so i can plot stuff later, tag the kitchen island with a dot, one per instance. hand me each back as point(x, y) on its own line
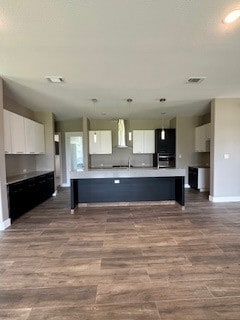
point(127, 185)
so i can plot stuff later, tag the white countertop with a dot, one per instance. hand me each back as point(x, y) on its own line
point(25, 176)
point(127, 173)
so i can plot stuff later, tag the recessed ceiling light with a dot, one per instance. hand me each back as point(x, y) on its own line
point(195, 80)
point(232, 16)
point(54, 79)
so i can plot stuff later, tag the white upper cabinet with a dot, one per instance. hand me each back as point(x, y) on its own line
point(34, 137)
point(7, 131)
point(39, 138)
point(208, 131)
point(143, 141)
point(30, 136)
point(202, 138)
point(22, 135)
point(17, 134)
point(100, 142)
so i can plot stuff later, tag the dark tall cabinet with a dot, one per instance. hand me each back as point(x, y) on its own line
point(167, 146)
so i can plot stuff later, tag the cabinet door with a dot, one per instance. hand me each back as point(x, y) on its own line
point(208, 131)
point(17, 134)
point(193, 177)
point(200, 141)
point(203, 179)
point(39, 138)
point(30, 136)
point(34, 137)
point(100, 142)
point(7, 131)
point(105, 142)
point(137, 141)
point(94, 142)
point(168, 145)
point(148, 141)
point(17, 199)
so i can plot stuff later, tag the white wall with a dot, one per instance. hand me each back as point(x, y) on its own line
point(225, 139)
point(4, 215)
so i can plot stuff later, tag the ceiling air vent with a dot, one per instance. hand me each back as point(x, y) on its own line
point(54, 79)
point(195, 80)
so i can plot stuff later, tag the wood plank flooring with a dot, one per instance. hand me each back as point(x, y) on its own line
point(127, 263)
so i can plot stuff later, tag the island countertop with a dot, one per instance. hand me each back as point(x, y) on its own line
point(127, 173)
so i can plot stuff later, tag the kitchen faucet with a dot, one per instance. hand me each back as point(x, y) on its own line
point(129, 162)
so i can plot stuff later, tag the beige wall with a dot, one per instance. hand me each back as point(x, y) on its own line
point(11, 105)
point(225, 138)
point(4, 215)
point(185, 142)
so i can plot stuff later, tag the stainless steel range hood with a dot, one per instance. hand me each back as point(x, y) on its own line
point(121, 134)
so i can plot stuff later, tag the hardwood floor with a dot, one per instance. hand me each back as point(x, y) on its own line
point(108, 263)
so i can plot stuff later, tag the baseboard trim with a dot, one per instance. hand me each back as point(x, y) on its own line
point(65, 185)
point(224, 199)
point(187, 186)
point(5, 224)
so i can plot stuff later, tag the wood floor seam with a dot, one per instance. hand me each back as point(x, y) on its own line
point(131, 263)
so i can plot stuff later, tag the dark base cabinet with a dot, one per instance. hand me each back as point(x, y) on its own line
point(127, 190)
point(25, 195)
point(193, 177)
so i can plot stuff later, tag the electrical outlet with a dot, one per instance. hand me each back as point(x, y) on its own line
point(226, 155)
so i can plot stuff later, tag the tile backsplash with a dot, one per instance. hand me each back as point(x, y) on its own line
point(121, 156)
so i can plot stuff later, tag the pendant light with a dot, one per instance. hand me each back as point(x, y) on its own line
point(95, 137)
point(129, 136)
point(129, 101)
point(94, 101)
point(162, 131)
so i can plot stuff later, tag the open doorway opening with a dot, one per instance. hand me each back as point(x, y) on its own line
point(74, 152)
point(58, 166)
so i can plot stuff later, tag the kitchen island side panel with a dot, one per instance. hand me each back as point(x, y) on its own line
point(127, 190)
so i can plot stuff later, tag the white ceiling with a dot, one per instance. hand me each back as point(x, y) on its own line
point(117, 49)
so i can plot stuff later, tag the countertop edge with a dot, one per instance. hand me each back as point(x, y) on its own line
point(26, 176)
point(127, 173)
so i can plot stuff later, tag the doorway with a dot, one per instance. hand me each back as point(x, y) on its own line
point(58, 166)
point(74, 153)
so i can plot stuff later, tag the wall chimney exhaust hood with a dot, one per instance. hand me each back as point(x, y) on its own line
point(121, 134)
